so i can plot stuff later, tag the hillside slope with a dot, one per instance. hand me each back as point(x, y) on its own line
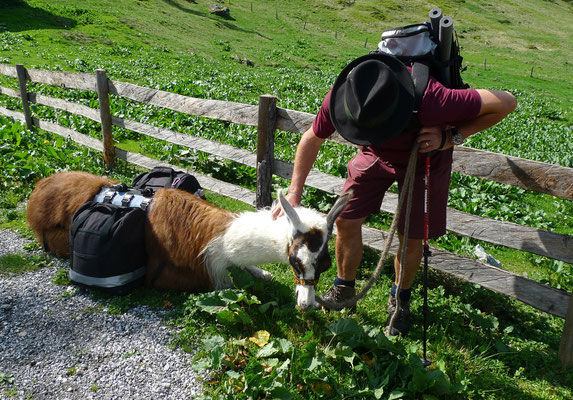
point(519, 42)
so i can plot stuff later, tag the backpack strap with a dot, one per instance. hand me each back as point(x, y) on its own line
point(421, 77)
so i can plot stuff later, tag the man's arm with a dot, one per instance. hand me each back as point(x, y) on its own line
point(495, 106)
point(306, 153)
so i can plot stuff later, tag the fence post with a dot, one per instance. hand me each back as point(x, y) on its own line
point(265, 149)
point(105, 114)
point(566, 348)
point(22, 78)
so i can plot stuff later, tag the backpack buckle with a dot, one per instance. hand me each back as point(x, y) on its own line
point(127, 199)
point(145, 203)
point(109, 195)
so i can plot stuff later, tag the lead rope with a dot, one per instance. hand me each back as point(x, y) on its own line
point(408, 187)
point(406, 193)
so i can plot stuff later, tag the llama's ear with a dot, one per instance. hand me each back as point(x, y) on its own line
point(289, 211)
point(336, 209)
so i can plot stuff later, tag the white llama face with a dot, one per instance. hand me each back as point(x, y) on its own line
point(308, 250)
point(308, 257)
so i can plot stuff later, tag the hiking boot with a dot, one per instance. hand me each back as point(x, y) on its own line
point(402, 320)
point(339, 294)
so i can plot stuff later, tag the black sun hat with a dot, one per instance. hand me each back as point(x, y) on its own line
point(372, 99)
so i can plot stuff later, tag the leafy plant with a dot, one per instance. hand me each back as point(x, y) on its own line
point(6, 378)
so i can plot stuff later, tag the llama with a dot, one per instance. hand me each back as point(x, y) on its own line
point(191, 243)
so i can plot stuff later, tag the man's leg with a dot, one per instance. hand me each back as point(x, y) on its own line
point(412, 262)
point(348, 257)
point(348, 247)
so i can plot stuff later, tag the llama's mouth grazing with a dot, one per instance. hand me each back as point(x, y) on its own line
point(305, 297)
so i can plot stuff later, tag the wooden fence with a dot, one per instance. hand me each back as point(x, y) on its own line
point(267, 117)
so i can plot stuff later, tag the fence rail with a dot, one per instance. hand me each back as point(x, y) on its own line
point(531, 175)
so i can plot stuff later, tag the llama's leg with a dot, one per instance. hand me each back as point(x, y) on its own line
point(258, 273)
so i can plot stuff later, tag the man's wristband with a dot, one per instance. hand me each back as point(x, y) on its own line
point(298, 194)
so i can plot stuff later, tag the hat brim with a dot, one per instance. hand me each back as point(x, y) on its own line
point(389, 128)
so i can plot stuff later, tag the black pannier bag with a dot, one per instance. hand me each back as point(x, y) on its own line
point(107, 247)
point(164, 177)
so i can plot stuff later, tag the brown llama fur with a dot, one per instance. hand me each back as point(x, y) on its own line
point(173, 243)
point(179, 227)
point(53, 203)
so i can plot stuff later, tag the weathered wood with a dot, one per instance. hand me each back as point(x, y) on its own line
point(566, 347)
point(12, 114)
point(8, 70)
point(77, 137)
point(22, 79)
point(60, 104)
point(540, 177)
point(11, 92)
point(293, 121)
point(524, 238)
point(537, 295)
point(218, 149)
point(237, 113)
point(532, 175)
point(532, 240)
point(105, 115)
point(508, 234)
point(265, 149)
point(556, 246)
point(207, 182)
point(299, 122)
point(70, 80)
point(542, 297)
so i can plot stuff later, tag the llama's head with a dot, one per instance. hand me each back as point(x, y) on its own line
point(308, 245)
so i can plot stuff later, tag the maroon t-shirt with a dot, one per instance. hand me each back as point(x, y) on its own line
point(439, 106)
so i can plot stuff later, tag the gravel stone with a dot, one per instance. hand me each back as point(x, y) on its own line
point(58, 342)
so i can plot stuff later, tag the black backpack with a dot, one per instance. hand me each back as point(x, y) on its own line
point(107, 247)
point(164, 177)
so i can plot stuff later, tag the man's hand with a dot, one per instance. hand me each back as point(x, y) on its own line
point(430, 139)
point(293, 198)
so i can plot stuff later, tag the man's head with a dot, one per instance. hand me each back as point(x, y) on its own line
point(372, 99)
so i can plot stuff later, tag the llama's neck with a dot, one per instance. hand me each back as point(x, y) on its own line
point(254, 239)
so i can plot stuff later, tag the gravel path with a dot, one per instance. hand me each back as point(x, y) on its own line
point(57, 342)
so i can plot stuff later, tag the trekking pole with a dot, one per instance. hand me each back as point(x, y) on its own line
point(427, 253)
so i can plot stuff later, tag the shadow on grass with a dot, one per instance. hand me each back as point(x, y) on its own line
point(16, 16)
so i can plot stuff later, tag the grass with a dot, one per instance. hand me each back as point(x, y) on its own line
point(14, 264)
point(512, 38)
point(483, 345)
